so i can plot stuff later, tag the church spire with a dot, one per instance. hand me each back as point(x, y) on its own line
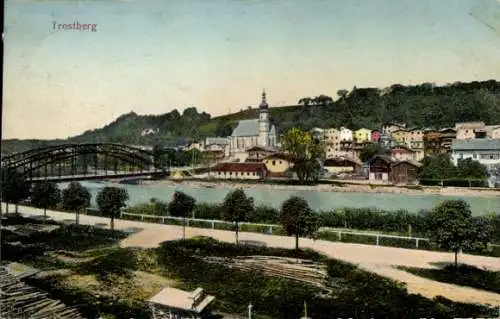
point(263, 104)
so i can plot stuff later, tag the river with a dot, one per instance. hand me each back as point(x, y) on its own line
point(317, 200)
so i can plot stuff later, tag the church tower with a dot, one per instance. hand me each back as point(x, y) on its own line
point(263, 139)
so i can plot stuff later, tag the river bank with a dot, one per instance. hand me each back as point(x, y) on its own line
point(343, 187)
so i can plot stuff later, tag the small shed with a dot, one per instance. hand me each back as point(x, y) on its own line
point(380, 168)
point(173, 303)
point(405, 172)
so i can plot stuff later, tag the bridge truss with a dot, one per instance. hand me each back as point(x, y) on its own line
point(75, 159)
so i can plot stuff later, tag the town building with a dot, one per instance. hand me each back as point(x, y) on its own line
point(485, 151)
point(172, 303)
point(279, 165)
point(352, 148)
point(446, 139)
point(375, 136)
point(254, 132)
point(216, 144)
point(318, 133)
point(257, 153)
point(403, 153)
point(253, 171)
point(493, 131)
point(400, 136)
point(332, 142)
point(363, 135)
point(387, 141)
point(346, 134)
point(389, 127)
point(467, 130)
point(342, 164)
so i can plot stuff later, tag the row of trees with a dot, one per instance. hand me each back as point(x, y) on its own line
point(47, 195)
point(450, 224)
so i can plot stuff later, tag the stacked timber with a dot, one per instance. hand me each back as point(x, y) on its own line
point(20, 300)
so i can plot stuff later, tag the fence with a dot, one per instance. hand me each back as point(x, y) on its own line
point(324, 232)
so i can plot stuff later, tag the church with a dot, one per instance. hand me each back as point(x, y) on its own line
point(253, 133)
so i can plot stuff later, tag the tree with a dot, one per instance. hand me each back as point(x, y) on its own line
point(181, 205)
point(236, 207)
point(46, 195)
point(471, 169)
point(15, 188)
point(76, 198)
point(307, 153)
point(110, 201)
point(298, 219)
point(371, 150)
point(439, 167)
point(159, 157)
point(452, 227)
point(305, 101)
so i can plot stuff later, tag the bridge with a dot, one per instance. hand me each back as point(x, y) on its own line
point(87, 161)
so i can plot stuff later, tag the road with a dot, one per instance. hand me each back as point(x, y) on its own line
point(378, 259)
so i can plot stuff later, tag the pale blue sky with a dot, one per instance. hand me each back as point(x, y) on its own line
point(152, 56)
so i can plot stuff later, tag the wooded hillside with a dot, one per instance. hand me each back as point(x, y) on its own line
point(424, 105)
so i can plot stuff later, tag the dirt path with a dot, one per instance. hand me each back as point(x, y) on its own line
point(380, 260)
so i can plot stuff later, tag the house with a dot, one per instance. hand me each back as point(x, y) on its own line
point(387, 141)
point(467, 130)
point(216, 144)
point(485, 151)
point(279, 165)
point(446, 138)
point(493, 131)
point(405, 172)
point(175, 303)
point(254, 132)
point(342, 164)
point(389, 127)
point(332, 142)
point(363, 135)
point(380, 168)
point(346, 134)
point(149, 131)
point(432, 142)
point(415, 139)
point(402, 153)
point(400, 136)
point(240, 171)
point(375, 136)
point(352, 148)
point(256, 154)
point(318, 133)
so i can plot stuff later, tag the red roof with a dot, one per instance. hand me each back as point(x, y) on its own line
point(240, 167)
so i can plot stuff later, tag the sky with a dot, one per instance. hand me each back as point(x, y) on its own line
point(153, 56)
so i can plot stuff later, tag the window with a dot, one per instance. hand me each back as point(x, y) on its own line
point(474, 156)
point(253, 173)
point(280, 162)
point(230, 173)
point(274, 163)
point(219, 173)
point(248, 173)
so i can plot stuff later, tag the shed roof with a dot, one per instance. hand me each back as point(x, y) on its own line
point(180, 299)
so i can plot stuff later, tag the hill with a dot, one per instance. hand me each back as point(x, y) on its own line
point(424, 105)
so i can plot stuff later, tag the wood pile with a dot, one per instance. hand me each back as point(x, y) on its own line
point(291, 268)
point(19, 300)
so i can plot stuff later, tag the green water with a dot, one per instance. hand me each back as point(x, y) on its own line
point(317, 200)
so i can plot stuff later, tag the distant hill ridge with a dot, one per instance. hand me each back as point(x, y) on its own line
point(424, 105)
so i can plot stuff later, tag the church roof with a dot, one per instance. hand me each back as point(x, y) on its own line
point(247, 128)
point(263, 104)
point(250, 128)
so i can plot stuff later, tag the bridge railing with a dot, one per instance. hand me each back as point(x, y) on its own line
point(341, 235)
